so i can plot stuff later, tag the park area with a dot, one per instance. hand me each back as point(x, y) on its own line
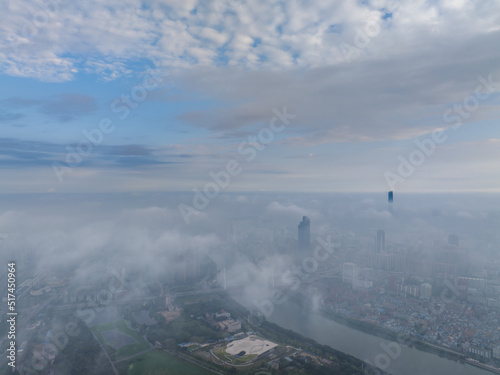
point(124, 341)
point(159, 362)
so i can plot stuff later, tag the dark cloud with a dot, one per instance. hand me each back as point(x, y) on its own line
point(21, 153)
point(8, 117)
point(399, 96)
point(64, 107)
point(131, 150)
point(67, 107)
point(25, 153)
point(135, 162)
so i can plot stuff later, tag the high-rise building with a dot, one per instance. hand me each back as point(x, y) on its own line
point(390, 197)
point(382, 261)
point(304, 233)
point(390, 200)
point(425, 291)
point(349, 271)
point(380, 240)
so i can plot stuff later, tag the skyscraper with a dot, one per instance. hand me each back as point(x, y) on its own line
point(390, 197)
point(304, 233)
point(380, 240)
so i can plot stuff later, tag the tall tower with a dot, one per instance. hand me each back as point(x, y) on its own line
point(390, 200)
point(380, 240)
point(304, 234)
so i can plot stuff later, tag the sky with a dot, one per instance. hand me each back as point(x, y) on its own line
point(293, 96)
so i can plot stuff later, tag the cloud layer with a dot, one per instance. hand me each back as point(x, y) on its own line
point(57, 40)
point(364, 80)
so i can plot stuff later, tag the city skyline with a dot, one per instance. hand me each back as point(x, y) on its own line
point(250, 186)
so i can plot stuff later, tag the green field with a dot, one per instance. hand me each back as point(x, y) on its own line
point(161, 363)
point(194, 299)
point(126, 350)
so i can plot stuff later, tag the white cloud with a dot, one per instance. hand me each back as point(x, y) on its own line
point(145, 237)
point(426, 57)
point(186, 33)
point(291, 210)
point(107, 71)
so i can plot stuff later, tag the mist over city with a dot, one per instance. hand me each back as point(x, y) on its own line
point(249, 187)
point(394, 264)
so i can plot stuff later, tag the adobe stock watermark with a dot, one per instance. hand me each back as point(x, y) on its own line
point(293, 278)
point(41, 13)
point(392, 351)
point(60, 337)
point(364, 36)
point(426, 147)
point(222, 178)
point(92, 138)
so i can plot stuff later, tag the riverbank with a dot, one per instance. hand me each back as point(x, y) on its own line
point(404, 339)
point(369, 348)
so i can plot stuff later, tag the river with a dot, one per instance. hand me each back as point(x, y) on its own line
point(369, 348)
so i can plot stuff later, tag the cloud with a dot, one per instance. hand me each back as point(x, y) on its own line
point(148, 237)
point(17, 153)
point(373, 214)
point(233, 62)
point(107, 71)
point(9, 117)
point(291, 210)
point(392, 98)
point(55, 44)
point(464, 215)
point(66, 107)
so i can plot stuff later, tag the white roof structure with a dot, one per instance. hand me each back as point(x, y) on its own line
point(250, 345)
